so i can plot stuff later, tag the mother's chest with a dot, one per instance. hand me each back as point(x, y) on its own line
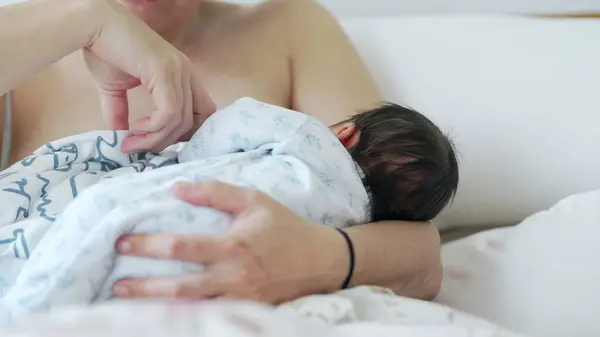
point(264, 78)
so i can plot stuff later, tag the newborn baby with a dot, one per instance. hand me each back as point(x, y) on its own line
point(390, 163)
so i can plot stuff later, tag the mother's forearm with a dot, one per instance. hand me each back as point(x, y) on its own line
point(402, 256)
point(37, 33)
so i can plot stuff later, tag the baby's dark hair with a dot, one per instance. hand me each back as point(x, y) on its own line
point(410, 166)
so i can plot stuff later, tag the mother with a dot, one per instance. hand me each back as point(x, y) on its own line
point(289, 53)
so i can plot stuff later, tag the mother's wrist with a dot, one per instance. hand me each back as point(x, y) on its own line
point(96, 13)
point(351, 258)
point(331, 258)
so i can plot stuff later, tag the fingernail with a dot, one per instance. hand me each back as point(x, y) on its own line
point(123, 246)
point(120, 291)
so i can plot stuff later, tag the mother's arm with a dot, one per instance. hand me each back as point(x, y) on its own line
point(331, 82)
point(121, 52)
point(37, 33)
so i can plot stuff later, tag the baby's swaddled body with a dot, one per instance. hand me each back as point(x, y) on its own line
point(288, 155)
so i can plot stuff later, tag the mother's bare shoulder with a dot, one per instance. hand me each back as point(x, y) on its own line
point(330, 79)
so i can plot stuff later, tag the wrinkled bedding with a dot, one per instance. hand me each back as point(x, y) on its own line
point(362, 311)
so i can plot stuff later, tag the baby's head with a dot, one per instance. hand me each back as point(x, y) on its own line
point(410, 166)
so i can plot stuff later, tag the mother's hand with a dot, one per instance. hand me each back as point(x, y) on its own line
point(125, 53)
point(269, 254)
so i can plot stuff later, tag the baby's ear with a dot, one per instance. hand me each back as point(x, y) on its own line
point(348, 134)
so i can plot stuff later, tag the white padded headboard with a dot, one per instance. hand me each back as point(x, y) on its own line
point(519, 95)
point(381, 8)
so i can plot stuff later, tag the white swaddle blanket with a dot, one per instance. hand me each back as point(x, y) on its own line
point(57, 250)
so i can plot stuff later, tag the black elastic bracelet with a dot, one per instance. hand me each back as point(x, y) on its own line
point(351, 250)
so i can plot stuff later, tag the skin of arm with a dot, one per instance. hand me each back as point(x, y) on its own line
point(331, 83)
point(41, 33)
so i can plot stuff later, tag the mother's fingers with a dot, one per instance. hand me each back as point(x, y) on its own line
point(115, 107)
point(224, 197)
point(189, 248)
point(143, 142)
point(156, 132)
point(187, 119)
point(167, 93)
point(222, 280)
point(178, 105)
point(187, 287)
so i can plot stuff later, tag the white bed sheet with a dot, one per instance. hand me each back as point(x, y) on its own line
point(363, 311)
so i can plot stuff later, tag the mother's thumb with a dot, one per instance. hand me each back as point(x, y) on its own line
point(203, 104)
point(115, 108)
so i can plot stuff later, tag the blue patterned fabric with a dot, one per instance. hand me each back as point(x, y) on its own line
point(64, 207)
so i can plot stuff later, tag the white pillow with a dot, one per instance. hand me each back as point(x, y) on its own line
point(540, 277)
point(519, 96)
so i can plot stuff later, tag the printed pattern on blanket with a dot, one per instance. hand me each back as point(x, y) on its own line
point(35, 190)
point(288, 155)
